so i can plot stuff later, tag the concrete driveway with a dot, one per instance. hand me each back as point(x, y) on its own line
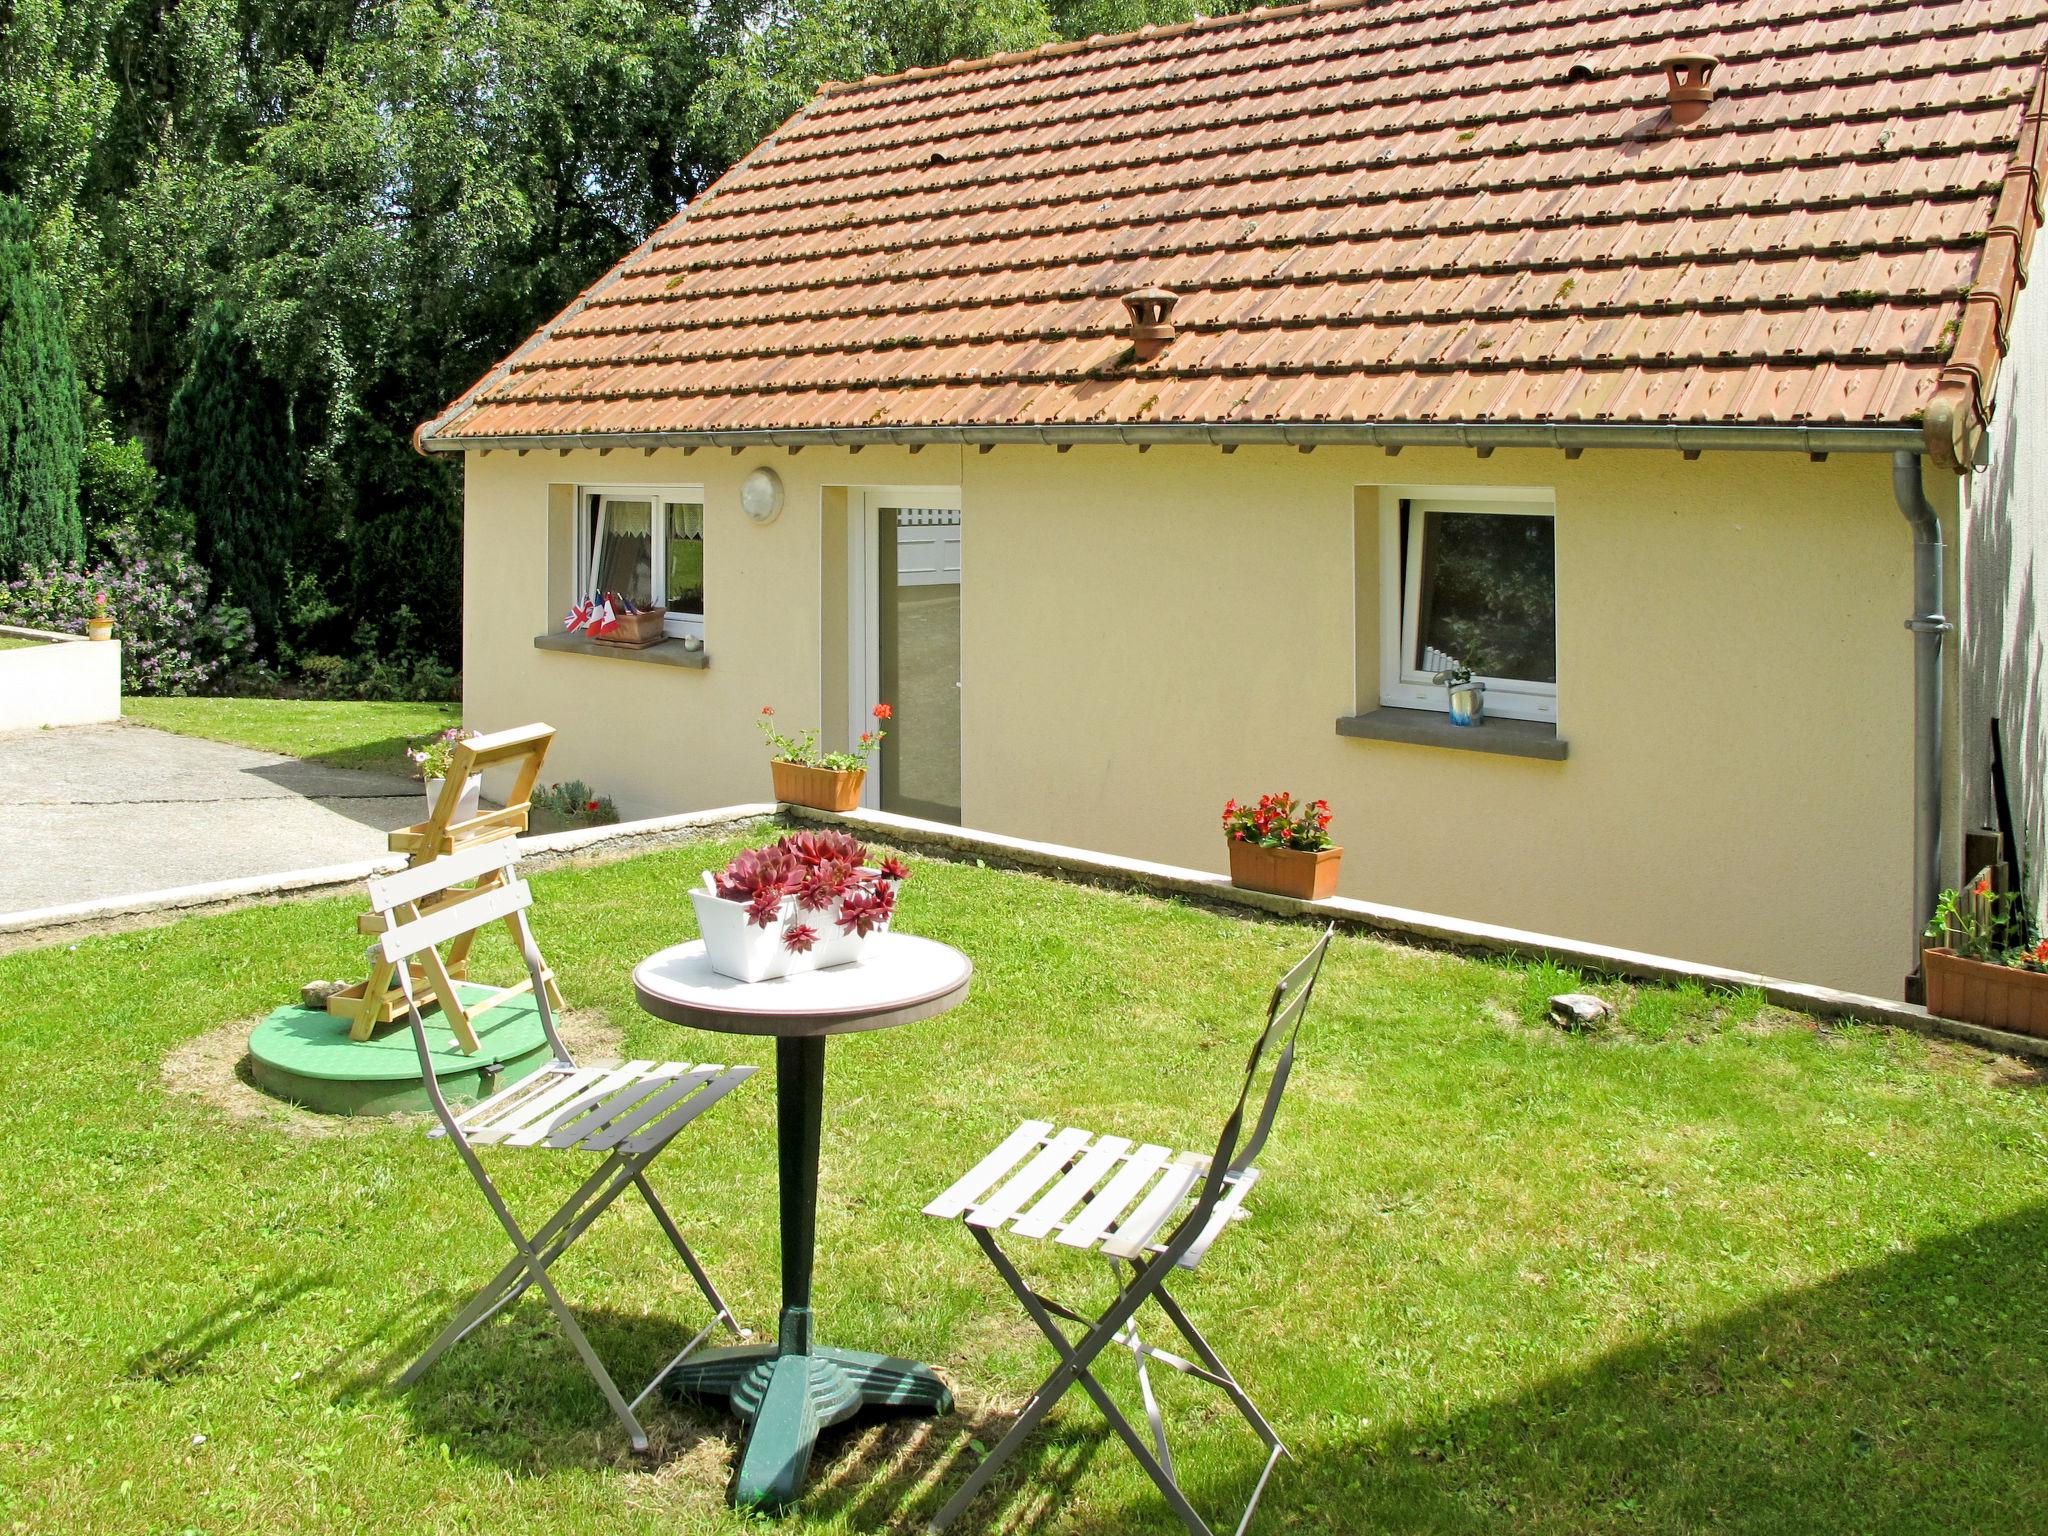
point(100, 811)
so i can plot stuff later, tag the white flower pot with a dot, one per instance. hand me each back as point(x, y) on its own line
point(466, 806)
point(745, 952)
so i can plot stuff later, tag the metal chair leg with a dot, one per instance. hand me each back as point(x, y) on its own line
point(591, 1363)
point(1214, 1362)
point(533, 1258)
point(689, 1258)
point(1075, 1358)
point(551, 1239)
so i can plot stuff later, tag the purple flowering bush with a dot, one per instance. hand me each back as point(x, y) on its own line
point(174, 641)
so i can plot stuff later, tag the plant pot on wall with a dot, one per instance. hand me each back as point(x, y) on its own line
point(466, 806)
point(823, 788)
point(1978, 992)
point(1296, 872)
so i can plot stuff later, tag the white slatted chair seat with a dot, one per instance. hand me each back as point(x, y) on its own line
point(1149, 1211)
point(636, 1105)
point(625, 1111)
point(1102, 1194)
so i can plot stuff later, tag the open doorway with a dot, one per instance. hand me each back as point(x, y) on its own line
point(903, 644)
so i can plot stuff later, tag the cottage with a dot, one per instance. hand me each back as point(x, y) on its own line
point(1150, 419)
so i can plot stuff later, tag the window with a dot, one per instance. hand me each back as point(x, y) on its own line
point(1467, 582)
point(647, 545)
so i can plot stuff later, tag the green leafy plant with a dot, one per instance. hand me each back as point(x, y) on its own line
point(434, 756)
point(576, 801)
point(802, 748)
point(1279, 821)
point(1973, 923)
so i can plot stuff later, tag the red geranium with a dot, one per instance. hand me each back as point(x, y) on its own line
point(1279, 821)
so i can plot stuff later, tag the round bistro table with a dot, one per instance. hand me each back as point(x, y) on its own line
point(789, 1390)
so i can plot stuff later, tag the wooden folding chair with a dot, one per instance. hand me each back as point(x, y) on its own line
point(379, 1000)
point(1102, 1194)
point(627, 1112)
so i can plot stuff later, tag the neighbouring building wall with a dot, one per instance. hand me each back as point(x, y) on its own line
point(1148, 635)
point(2002, 657)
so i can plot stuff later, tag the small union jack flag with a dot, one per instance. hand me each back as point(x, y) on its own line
point(578, 616)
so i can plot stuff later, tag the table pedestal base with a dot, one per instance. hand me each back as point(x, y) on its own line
point(785, 1399)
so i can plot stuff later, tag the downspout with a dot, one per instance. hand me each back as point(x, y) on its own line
point(1928, 626)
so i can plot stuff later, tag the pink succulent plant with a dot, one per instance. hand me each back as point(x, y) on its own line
point(819, 869)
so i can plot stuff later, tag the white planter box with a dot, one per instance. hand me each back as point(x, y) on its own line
point(465, 808)
point(745, 952)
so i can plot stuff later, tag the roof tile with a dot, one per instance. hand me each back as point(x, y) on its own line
point(1402, 213)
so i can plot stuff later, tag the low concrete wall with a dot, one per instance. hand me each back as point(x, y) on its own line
point(67, 681)
point(54, 925)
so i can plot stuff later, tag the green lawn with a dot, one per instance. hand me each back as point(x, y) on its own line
point(342, 733)
point(18, 642)
point(1718, 1268)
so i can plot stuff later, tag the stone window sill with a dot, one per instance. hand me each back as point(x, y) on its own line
point(663, 653)
point(1432, 728)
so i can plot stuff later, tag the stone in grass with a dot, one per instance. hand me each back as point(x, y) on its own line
point(1576, 1011)
point(314, 994)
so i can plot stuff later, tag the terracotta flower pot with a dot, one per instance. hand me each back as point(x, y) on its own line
point(97, 628)
point(823, 788)
point(1978, 992)
point(1284, 871)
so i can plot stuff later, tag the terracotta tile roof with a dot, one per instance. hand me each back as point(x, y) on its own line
point(1403, 216)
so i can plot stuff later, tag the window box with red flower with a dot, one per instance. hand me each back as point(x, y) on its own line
point(804, 774)
point(1282, 847)
point(803, 903)
point(1974, 975)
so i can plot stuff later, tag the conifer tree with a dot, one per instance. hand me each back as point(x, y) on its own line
point(42, 432)
point(229, 462)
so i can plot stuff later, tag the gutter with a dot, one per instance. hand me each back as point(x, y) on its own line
point(1959, 410)
point(1303, 435)
point(1928, 626)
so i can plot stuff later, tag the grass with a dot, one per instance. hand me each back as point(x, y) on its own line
point(1718, 1267)
point(18, 642)
point(340, 733)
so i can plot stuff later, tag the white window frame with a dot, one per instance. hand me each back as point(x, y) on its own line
point(587, 534)
point(1403, 686)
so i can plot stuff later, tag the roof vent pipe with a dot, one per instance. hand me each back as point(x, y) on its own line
point(1687, 87)
point(1151, 312)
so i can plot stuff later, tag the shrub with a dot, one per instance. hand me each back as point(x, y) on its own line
point(173, 640)
point(230, 461)
point(118, 487)
point(407, 677)
point(42, 431)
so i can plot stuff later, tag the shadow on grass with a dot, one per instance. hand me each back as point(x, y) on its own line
point(1907, 1395)
point(186, 1351)
point(385, 757)
point(516, 1393)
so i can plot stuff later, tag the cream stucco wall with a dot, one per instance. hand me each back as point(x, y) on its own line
point(1146, 635)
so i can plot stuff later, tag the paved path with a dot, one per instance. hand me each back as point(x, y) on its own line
point(99, 811)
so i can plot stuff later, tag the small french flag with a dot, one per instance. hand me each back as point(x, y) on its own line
point(603, 618)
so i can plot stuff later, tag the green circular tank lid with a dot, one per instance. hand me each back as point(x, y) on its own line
point(304, 1055)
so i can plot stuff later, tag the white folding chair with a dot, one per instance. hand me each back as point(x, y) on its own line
point(628, 1112)
point(1105, 1195)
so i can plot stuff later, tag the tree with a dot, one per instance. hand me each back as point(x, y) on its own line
point(42, 432)
point(230, 461)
